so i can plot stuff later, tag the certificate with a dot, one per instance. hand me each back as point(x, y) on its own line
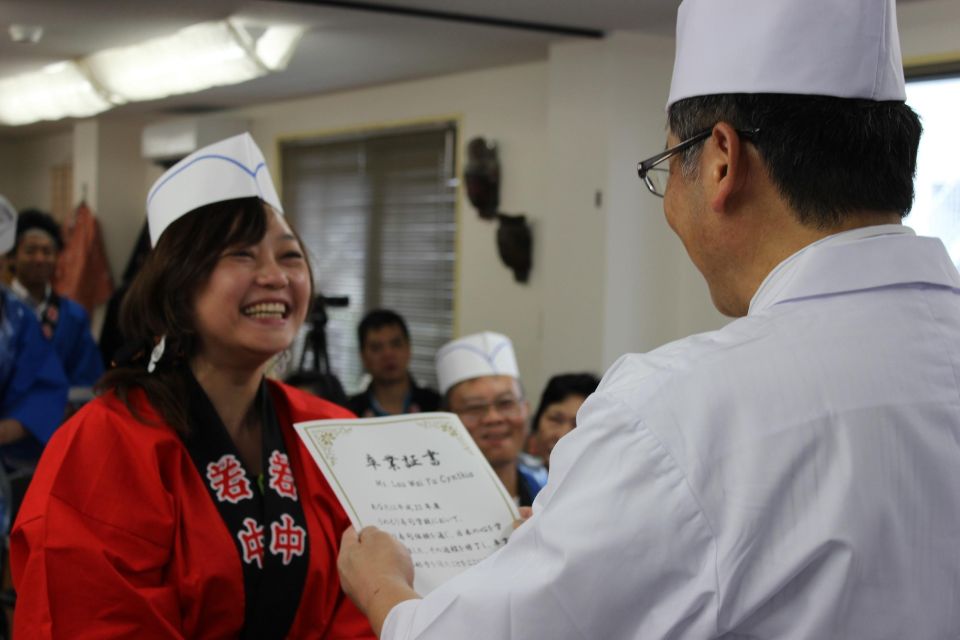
point(421, 478)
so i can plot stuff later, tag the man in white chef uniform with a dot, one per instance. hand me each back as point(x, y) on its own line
point(797, 473)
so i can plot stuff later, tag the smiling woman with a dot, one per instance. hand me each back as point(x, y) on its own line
point(181, 499)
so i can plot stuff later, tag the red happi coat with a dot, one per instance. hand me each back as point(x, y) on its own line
point(119, 537)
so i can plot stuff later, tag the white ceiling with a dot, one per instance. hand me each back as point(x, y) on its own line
point(344, 47)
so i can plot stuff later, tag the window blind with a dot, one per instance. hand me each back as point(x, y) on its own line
point(377, 215)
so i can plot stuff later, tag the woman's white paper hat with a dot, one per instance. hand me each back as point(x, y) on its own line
point(8, 225)
point(475, 356)
point(840, 48)
point(231, 168)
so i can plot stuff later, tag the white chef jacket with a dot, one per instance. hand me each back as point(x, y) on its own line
point(793, 475)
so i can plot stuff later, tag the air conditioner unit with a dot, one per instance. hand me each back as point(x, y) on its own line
point(171, 140)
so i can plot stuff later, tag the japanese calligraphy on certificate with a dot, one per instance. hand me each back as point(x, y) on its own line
point(421, 478)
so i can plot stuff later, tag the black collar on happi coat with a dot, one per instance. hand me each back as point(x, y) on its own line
point(264, 515)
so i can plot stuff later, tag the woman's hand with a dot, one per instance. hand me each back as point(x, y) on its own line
point(376, 571)
point(525, 513)
point(11, 430)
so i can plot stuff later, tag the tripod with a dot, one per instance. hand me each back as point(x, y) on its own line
point(317, 376)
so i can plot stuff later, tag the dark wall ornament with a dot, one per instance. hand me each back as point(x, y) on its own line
point(515, 244)
point(482, 175)
point(514, 237)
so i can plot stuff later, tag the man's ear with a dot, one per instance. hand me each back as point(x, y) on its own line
point(725, 167)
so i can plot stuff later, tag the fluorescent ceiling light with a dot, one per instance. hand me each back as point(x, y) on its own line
point(276, 45)
point(196, 58)
point(193, 59)
point(57, 91)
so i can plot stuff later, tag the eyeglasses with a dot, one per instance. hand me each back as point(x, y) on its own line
point(656, 177)
point(473, 414)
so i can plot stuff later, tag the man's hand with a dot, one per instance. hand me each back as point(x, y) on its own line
point(376, 571)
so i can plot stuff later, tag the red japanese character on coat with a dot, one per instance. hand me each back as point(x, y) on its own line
point(251, 541)
point(281, 476)
point(228, 479)
point(287, 539)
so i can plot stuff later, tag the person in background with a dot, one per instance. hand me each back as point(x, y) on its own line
point(480, 380)
point(796, 474)
point(33, 388)
point(556, 415)
point(385, 351)
point(64, 322)
point(180, 503)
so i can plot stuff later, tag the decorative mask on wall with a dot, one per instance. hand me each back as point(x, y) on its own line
point(515, 244)
point(514, 238)
point(482, 175)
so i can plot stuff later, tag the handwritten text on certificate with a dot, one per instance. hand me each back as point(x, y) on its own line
point(421, 478)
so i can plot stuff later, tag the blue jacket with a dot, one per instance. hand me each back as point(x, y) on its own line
point(75, 346)
point(33, 387)
point(531, 480)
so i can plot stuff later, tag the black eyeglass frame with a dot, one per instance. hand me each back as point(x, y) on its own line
point(645, 166)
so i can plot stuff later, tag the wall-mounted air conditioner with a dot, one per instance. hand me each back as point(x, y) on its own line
point(170, 140)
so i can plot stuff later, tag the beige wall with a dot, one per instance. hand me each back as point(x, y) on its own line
point(654, 294)
point(9, 180)
point(572, 243)
point(928, 30)
point(108, 169)
point(26, 164)
point(123, 182)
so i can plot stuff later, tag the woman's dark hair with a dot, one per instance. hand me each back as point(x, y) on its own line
point(161, 298)
point(828, 156)
point(562, 386)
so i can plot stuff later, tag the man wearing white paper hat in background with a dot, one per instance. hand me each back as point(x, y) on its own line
point(795, 474)
point(480, 382)
point(33, 386)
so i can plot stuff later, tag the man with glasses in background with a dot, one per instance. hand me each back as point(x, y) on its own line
point(796, 474)
point(480, 382)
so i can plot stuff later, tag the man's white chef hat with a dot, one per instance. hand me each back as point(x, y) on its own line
point(475, 356)
point(231, 168)
point(8, 225)
point(840, 48)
